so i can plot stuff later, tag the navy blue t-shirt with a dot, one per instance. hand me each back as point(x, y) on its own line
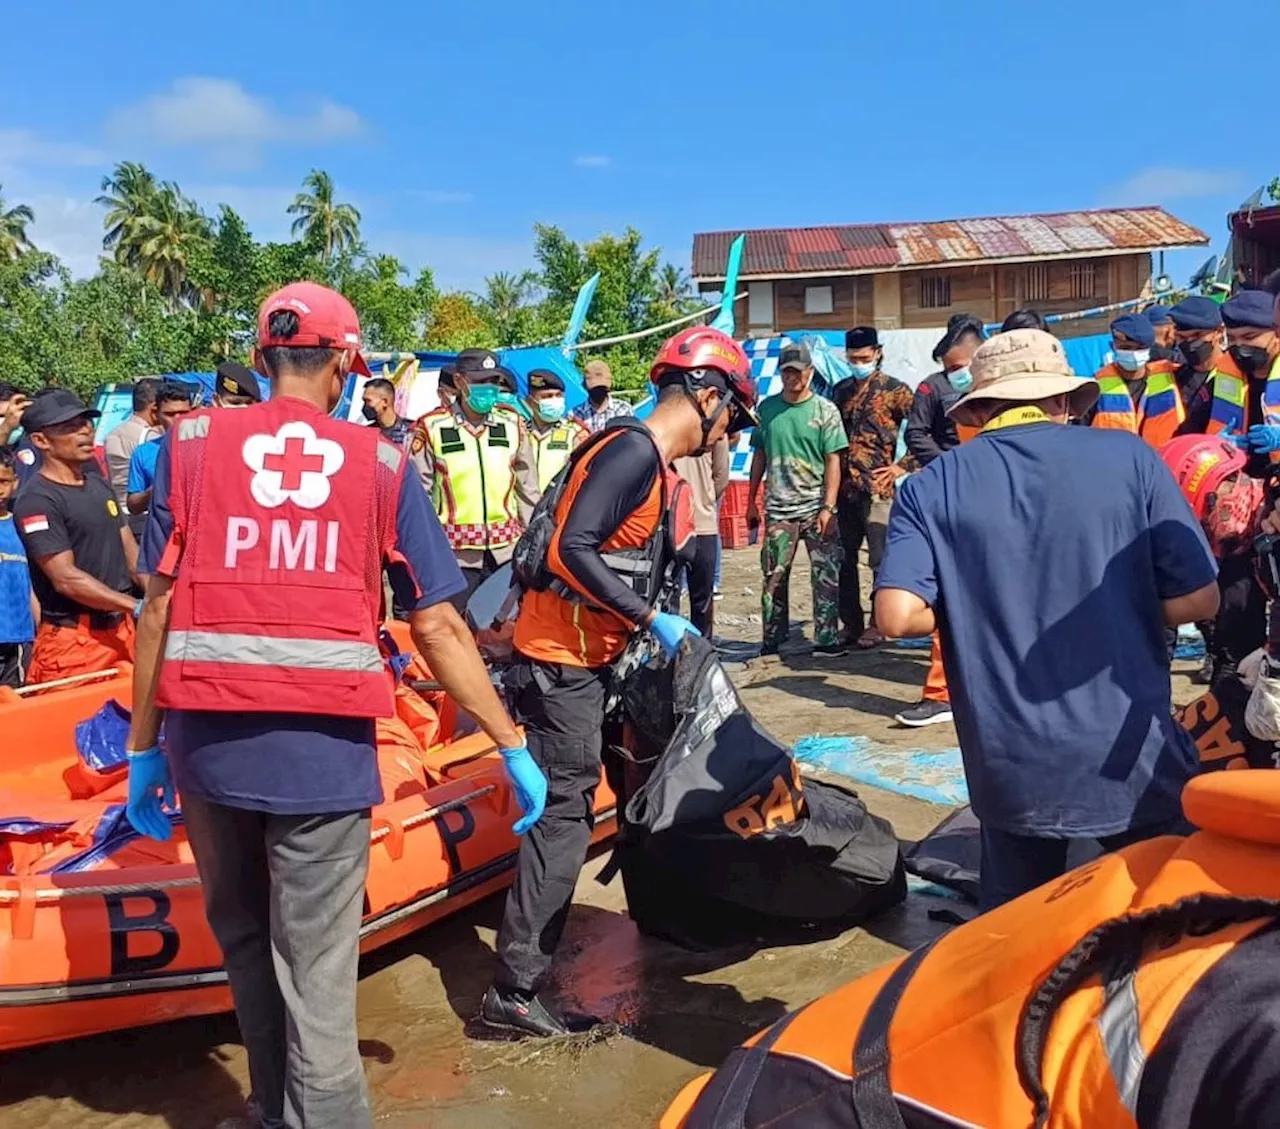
point(297, 764)
point(1046, 552)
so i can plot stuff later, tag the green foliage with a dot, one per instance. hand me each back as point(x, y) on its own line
point(180, 291)
point(1273, 189)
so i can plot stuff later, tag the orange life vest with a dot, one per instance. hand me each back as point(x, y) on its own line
point(1157, 415)
point(1040, 1013)
point(555, 627)
point(284, 517)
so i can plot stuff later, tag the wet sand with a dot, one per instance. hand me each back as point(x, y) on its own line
point(670, 1014)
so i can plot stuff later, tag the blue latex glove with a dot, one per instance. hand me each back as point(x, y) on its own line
point(1236, 439)
point(137, 608)
point(1264, 438)
point(530, 785)
point(669, 629)
point(149, 784)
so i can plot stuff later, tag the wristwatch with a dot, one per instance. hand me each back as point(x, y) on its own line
point(829, 509)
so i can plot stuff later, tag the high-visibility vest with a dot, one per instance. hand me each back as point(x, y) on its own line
point(1158, 413)
point(553, 446)
point(284, 517)
point(1231, 399)
point(1053, 1001)
point(474, 489)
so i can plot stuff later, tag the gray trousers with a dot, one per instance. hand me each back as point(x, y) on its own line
point(284, 896)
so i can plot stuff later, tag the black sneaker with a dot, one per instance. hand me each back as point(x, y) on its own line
point(829, 650)
point(769, 649)
point(519, 1011)
point(924, 713)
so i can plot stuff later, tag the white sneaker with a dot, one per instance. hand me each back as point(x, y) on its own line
point(924, 713)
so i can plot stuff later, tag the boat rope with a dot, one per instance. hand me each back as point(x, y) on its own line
point(63, 893)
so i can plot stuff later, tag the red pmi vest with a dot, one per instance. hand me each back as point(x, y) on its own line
point(285, 517)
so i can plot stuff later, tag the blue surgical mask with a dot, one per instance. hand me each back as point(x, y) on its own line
point(1131, 360)
point(551, 409)
point(482, 398)
point(862, 371)
point(961, 379)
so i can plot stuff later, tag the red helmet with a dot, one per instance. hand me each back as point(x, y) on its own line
point(1200, 465)
point(693, 354)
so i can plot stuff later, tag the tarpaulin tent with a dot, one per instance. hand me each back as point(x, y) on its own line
point(115, 401)
point(523, 361)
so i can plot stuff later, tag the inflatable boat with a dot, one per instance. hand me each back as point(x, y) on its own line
point(102, 929)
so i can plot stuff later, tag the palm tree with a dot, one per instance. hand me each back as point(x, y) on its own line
point(14, 241)
point(164, 240)
point(505, 302)
point(673, 287)
point(129, 194)
point(333, 226)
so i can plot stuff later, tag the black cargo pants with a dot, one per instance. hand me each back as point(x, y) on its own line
point(562, 711)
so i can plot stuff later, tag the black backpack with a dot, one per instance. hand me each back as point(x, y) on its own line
point(529, 558)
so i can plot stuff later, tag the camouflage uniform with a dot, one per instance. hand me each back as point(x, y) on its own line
point(781, 540)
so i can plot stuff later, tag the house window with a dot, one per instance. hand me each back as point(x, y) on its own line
point(818, 300)
point(760, 304)
point(935, 292)
point(1083, 278)
point(1035, 286)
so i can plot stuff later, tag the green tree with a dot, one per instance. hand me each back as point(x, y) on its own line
point(393, 316)
point(456, 324)
point(14, 241)
point(129, 195)
point(335, 227)
point(507, 305)
point(165, 241)
point(674, 293)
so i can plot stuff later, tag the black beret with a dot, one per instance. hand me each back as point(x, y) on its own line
point(1196, 312)
point(543, 379)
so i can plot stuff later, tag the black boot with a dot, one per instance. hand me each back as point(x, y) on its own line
point(520, 1011)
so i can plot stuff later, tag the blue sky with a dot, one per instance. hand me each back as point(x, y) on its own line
point(454, 128)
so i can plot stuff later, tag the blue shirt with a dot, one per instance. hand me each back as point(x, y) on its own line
point(142, 466)
point(297, 764)
point(1046, 552)
point(16, 622)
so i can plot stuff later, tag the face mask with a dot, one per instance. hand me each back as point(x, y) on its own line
point(961, 379)
point(598, 396)
point(369, 412)
point(1197, 352)
point(862, 371)
point(1251, 359)
point(551, 409)
point(481, 398)
point(1131, 360)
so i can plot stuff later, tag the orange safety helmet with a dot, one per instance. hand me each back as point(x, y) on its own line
point(1200, 465)
point(700, 355)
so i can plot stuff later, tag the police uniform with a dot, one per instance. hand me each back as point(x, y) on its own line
point(1144, 400)
point(480, 476)
point(553, 441)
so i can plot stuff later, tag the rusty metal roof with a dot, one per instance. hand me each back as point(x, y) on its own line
point(872, 247)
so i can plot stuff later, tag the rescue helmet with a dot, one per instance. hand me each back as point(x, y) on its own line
point(1200, 465)
point(700, 357)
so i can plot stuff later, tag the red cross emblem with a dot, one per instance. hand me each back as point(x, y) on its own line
point(293, 464)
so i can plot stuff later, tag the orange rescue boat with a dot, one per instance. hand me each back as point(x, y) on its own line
point(102, 929)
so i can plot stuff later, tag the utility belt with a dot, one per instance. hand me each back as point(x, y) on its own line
point(91, 621)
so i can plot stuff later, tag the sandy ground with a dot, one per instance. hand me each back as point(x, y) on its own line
point(670, 1014)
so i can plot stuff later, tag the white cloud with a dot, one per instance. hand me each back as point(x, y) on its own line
point(593, 161)
point(219, 116)
point(70, 228)
point(20, 147)
point(1159, 185)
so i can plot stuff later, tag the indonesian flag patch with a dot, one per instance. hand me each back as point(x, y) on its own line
point(36, 523)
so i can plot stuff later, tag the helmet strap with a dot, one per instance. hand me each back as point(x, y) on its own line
point(708, 421)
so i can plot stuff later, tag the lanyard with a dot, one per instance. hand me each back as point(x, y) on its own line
point(1014, 417)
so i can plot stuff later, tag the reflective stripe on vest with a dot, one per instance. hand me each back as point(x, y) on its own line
point(552, 448)
point(1159, 411)
point(259, 650)
point(1230, 399)
point(474, 490)
point(279, 594)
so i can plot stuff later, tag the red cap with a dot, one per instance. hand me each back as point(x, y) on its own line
point(326, 320)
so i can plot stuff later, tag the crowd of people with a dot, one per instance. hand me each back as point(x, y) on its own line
point(1051, 562)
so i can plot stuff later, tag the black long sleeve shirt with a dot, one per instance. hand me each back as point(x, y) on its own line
point(930, 431)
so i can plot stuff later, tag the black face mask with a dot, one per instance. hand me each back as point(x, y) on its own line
point(598, 395)
point(370, 413)
point(1160, 353)
point(1197, 352)
point(1251, 359)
